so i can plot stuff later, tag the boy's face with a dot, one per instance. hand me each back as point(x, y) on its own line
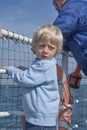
point(45, 50)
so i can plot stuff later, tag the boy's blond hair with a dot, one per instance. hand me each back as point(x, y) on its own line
point(48, 33)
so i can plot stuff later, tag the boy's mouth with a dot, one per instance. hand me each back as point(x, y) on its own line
point(44, 57)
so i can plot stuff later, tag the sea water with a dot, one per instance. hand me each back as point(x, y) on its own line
point(79, 115)
point(11, 98)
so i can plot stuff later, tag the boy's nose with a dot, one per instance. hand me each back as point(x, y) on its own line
point(45, 49)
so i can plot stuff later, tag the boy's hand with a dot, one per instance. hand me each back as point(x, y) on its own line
point(4, 67)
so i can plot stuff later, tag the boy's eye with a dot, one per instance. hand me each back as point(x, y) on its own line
point(51, 48)
point(41, 45)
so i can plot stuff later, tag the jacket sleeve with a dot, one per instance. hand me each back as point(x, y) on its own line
point(67, 21)
point(30, 77)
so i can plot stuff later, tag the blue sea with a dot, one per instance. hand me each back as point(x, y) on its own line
point(9, 100)
point(79, 115)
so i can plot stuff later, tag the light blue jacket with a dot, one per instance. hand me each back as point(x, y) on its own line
point(72, 20)
point(41, 94)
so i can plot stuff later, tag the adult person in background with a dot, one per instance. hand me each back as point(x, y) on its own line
point(72, 20)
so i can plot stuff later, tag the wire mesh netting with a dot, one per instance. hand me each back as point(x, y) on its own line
point(18, 53)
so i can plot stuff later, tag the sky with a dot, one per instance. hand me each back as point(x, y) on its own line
point(25, 16)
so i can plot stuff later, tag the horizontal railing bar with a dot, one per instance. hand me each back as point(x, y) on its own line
point(15, 36)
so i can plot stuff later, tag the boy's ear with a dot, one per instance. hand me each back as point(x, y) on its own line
point(33, 50)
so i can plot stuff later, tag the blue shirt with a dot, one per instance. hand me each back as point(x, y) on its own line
point(72, 21)
point(41, 93)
